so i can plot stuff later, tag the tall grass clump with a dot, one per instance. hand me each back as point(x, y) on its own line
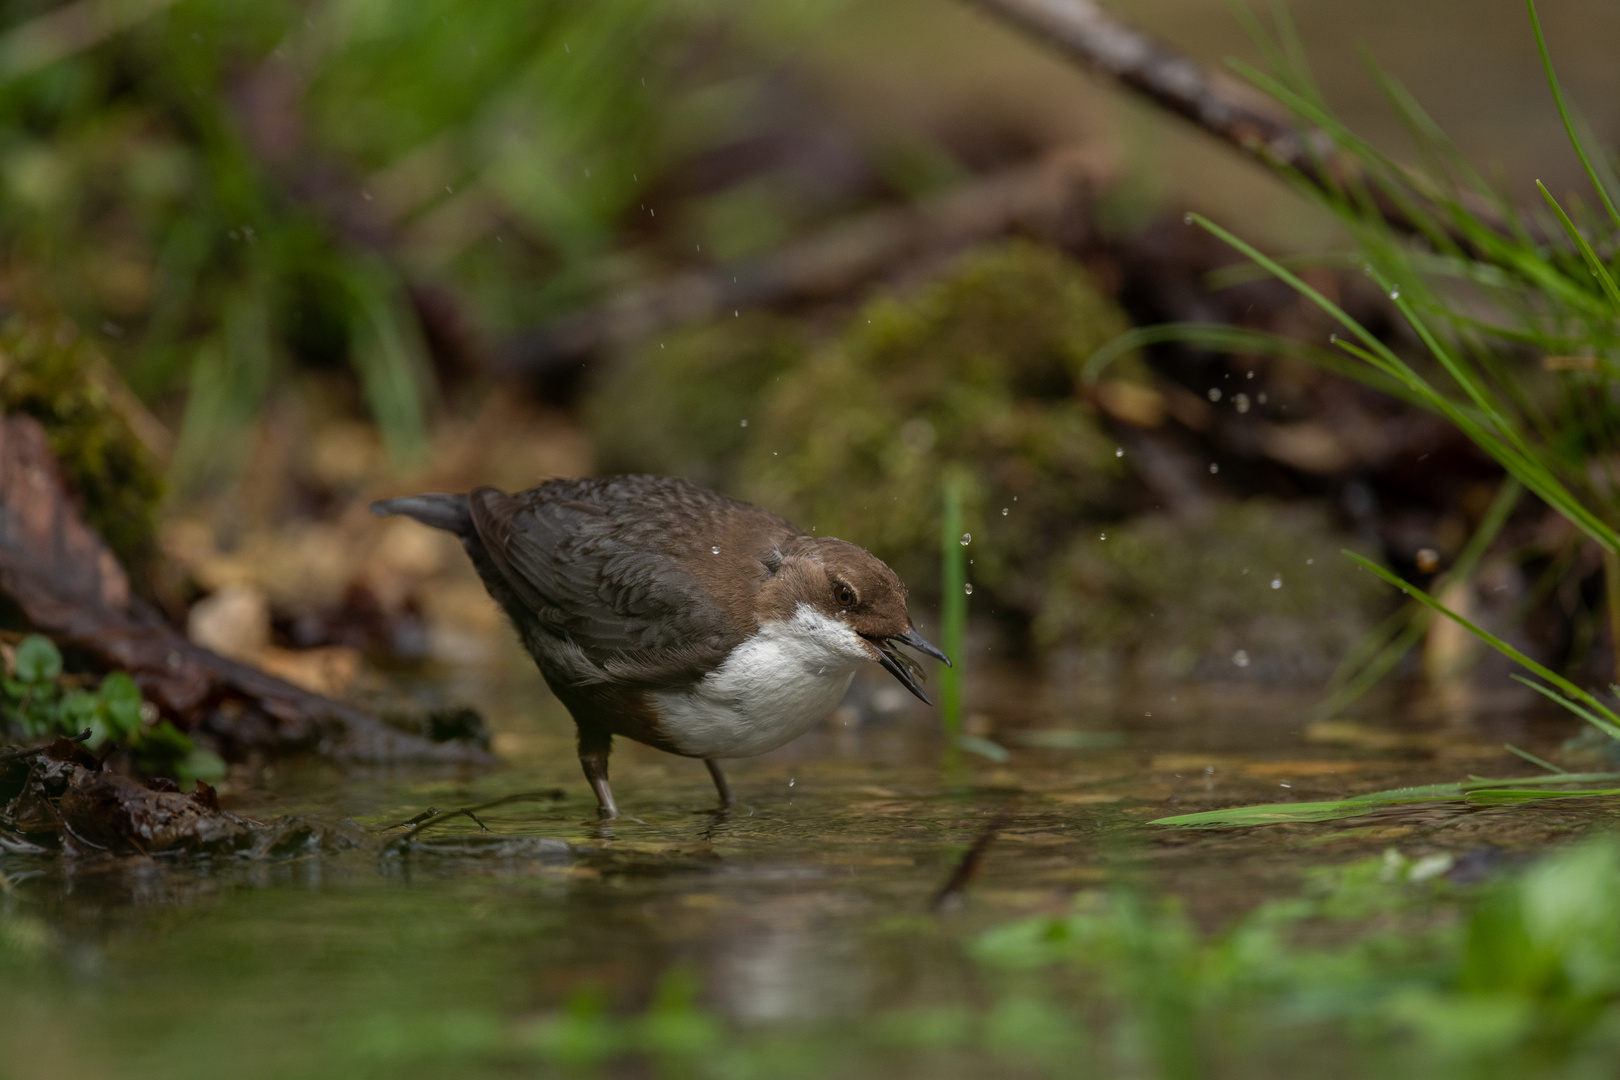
point(1517, 313)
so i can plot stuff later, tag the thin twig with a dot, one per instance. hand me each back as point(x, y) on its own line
point(1212, 100)
point(1047, 199)
point(551, 794)
point(432, 811)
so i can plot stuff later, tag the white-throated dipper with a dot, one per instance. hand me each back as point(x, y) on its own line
point(676, 616)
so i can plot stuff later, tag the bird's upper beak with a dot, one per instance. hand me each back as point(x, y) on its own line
point(902, 666)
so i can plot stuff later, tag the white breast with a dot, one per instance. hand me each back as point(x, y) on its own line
point(773, 688)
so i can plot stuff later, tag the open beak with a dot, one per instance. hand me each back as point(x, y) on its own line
point(903, 667)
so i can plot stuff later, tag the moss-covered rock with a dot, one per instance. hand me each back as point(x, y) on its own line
point(976, 373)
point(1255, 590)
point(50, 373)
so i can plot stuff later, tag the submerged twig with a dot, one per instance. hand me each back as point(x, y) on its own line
point(432, 811)
point(550, 794)
point(967, 867)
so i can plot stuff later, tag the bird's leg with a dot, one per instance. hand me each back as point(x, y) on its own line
point(720, 785)
point(593, 758)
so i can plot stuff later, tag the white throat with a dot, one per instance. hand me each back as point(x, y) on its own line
point(771, 689)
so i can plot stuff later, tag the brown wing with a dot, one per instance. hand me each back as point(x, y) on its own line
point(597, 565)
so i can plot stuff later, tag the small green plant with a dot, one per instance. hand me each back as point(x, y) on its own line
point(38, 703)
point(1520, 977)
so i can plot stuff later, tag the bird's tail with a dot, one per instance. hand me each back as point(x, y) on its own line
point(447, 512)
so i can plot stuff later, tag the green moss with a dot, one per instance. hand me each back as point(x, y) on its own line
point(677, 405)
point(1175, 597)
point(978, 373)
point(53, 375)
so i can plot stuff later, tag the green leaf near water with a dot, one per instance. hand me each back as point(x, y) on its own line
point(78, 711)
point(121, 704)
point(38, 660)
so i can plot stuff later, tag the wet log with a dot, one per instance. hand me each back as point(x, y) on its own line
point(68, 585)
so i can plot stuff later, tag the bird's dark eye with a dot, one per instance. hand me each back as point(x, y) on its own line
point(844, 595)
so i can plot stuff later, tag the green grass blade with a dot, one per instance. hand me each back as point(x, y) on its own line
point(1516, 789)
point(1532, 759)
point(1611, 722)
point(1609, 729)
point(1225, 338)
point(1375, 663)
point(1593, 263)
point(1575, 139)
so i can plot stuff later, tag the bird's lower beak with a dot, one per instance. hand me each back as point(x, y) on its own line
point(903, 667)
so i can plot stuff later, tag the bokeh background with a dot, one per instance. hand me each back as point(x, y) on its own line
point(263, 265)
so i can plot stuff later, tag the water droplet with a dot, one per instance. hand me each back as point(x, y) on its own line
point(1290, 786)
point(968, 589)
point(1428, 560)
point(1214, 393)
point(1003, 511)
point(1395, 293)
point(1186, 219)
point(1276, 582)
point(1261, 398)
point(967, 538)
point(1240, 658)
point(1250, 375)
point(792, 781)
point(1333, 339)
point(745, 423)
point(715, 549)
point(1214, 468)
point(1310, 562)
point(1102, 536)
point(1241, 402)
point(1119, 451)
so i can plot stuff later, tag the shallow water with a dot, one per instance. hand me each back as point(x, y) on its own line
point(810, 903)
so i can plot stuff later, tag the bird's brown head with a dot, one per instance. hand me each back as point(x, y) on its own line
point(848, 584)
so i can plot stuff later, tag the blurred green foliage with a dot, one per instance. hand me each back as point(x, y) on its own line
point(224, 190)
point(37, 703)
point(51, 373)
point(681, 405)
point(1521, 978)
point(1175, 597)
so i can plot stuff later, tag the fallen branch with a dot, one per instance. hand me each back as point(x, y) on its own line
point(1047, 199)
point(69, 586)
point(1212, 100)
